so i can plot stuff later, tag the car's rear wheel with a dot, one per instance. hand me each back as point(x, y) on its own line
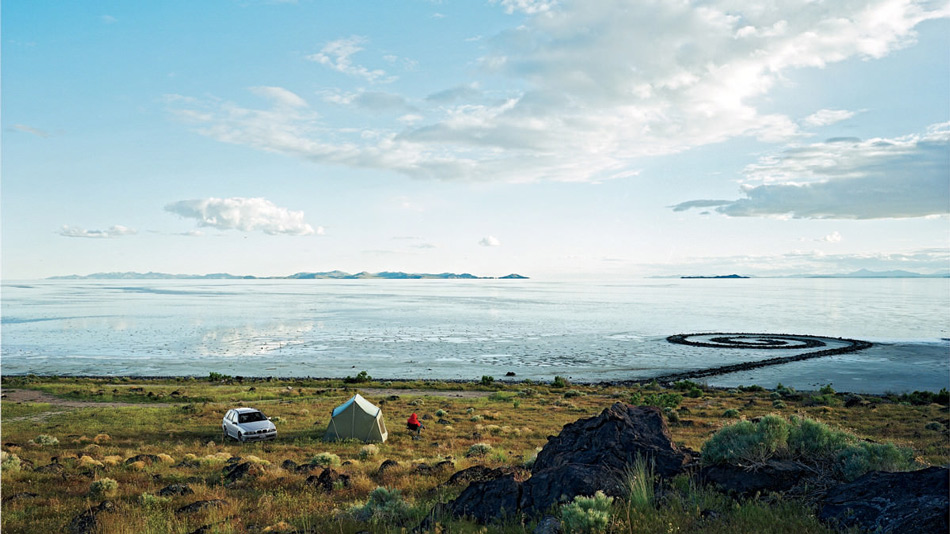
point(224, 435)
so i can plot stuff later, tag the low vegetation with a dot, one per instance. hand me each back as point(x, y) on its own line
point(60, 461)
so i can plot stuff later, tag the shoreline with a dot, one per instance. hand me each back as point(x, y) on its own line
point(381, 384)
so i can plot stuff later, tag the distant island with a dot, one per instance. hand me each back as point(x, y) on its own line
point(330, 275)
point(727, 276)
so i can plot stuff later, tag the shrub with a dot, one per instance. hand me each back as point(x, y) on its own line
point(778, 404)
point(218, 377)
point(574, 393)
point(746, 441)
point(528, 392)
point(560, 382)
point(383, 506)
point(922, 398)
point(671, 415)
point(441, 413)
point(360, 378)
point(45, 439)
point(694, 393)
point(862, 457)
point(475, 418)
point(827, 390)
point(750, 389)
point(935, 426)
point(470, 410)
point(478, 449)
point(147, 499)
point(368, 451)
point(104, 487)
point(731, 413)
point(487, 380)
point(9, 461)
point(325, 459)
point(685, 385)
point(587, 515)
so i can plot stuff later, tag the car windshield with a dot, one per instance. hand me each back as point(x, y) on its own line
point(251, 417)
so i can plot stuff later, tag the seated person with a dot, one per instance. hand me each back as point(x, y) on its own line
point(413, 424)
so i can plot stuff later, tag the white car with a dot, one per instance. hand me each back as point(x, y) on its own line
point(247, 424)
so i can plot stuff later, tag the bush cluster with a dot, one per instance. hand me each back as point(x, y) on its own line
point(804, 440)
point(478, 449)
point(660, 400)
point(103, 487)
point(325, 459)
point(384, 505)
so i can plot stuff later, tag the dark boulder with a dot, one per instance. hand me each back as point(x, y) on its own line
point(480, 473)
point(386, 466)
point(592, 454)
point(88, 521)
point(53, 468)
point(175, 489)
point(772, 476)
point(328, 479)
point(915, 501)
point(614, 439)
point(588, 455)
point(240, 471)
point(200, 505)
point(489, 500)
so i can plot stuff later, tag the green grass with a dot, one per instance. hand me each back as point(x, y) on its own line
point(514, 421)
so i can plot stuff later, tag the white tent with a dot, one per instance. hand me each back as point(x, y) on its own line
point(357, 418)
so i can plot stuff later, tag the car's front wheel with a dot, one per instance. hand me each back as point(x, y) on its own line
point(241, 437)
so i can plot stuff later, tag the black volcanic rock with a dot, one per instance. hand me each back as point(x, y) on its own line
point(588, 455)
point(915, 501)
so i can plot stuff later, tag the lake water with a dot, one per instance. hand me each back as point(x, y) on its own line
point(463, 329)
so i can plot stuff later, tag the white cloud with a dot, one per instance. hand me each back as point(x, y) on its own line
point(336, 55)
point(114, 231)
point(280, 96)
point(833, 237)
point(526, 6)
point(490, 241)
point(589, 87)
point(825, 117)
point(848, 179)
point(246, 214)
point(31, 130)
point(108, 19)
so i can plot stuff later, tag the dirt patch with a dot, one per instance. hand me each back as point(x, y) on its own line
point(386, 392)
point(34, 396)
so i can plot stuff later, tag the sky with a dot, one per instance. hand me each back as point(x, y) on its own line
point(551, 138)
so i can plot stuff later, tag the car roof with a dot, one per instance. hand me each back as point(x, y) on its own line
point(245, 410)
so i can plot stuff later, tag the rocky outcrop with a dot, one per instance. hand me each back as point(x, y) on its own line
point(915, 501)
point(175, 489)
point(328, 479)
point(771, 476)
point(588, 455)
point(88, 521)
point(197, 506)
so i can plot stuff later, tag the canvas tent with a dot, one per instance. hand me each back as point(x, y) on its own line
point(357, 418)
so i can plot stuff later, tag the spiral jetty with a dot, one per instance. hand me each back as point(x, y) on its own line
point(758, 341)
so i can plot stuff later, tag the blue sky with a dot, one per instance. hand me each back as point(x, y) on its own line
point(551, 138)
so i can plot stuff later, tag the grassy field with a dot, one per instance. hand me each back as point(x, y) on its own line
point(179, 422)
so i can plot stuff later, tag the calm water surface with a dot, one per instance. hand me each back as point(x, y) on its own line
point(459, 329)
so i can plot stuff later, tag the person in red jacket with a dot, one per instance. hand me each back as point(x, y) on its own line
point(413, 424)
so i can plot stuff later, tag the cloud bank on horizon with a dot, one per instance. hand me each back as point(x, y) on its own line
point(848, 179)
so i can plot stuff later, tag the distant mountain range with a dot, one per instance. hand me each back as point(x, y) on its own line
point(863, 273)
point(331, 275)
